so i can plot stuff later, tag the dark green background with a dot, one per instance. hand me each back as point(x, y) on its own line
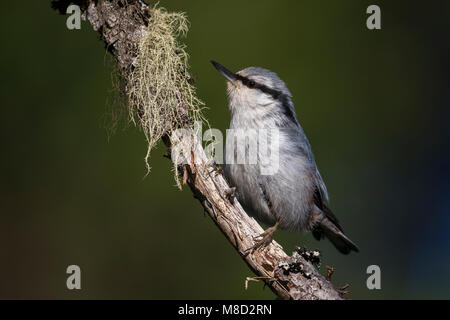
point(373, 104)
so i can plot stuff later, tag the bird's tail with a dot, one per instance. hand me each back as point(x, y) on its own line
point(327, 225)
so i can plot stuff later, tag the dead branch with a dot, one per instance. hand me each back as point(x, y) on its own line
point(121, 25)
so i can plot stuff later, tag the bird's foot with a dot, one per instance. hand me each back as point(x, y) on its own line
point(330, 272)
point(230, 194)
point(213, 167)
point(263, 239)
point(343, 290)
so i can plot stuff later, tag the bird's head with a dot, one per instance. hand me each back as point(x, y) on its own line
point(258, 92)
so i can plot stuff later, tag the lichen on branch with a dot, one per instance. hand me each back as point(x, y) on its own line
point(161, 96)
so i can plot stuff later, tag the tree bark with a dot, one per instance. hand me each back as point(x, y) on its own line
point(121, 24)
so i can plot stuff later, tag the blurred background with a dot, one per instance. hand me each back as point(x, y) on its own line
point(374, 105)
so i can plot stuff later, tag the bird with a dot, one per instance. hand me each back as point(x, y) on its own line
point(294, 197)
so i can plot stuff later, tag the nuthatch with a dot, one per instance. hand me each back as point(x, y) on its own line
point(294, 197)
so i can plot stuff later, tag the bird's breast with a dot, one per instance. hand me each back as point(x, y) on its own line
point(281, 194)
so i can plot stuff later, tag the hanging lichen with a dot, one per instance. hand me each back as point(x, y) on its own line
point(160, 89)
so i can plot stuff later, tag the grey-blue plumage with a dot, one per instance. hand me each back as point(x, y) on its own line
point(294, 196)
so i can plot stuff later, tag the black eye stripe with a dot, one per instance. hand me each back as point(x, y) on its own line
point(254, 85)
point(277, 95)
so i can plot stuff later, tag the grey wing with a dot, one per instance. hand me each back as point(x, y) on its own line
point(304, 148)
point(321, 201)
point(321, 186)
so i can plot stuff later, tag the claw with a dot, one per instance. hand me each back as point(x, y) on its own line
point(330, 271)
point(210, 163)
point(215, 169)
point(343, 290)
point(230, 194)
point(185, 175)
point(264, 239)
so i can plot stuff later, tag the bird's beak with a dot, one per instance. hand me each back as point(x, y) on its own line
point(224, 71)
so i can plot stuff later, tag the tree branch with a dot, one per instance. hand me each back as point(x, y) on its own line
point(121, 24)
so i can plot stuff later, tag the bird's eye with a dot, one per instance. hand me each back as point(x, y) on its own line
point(251, 84)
